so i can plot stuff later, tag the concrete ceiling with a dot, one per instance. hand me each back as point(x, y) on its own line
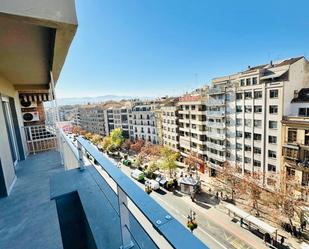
point(26, 52)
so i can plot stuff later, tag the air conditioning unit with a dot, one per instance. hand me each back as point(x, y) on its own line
point(31, 116)
point(28, 104)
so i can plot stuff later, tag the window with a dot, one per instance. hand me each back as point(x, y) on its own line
point(273, 94)
point(292, 135)
point(271, 167)
point(238, 108)
point(303, 112)
point(254, 80)
point(258, 123)
point(247, 148)
point(248, 109)
point(248, 95)
point(258, 94)
point(272, 154)
point(258, 109)
point(257, 137)
point(238, 134)
point(248, 82)
point(238, 96)
point(242, 82)
point(256, 163)
point(247, 160)
point(238, 158)
point(272, 139)
point(272, 124)
point(273, 109)
point(192, 107)
point(238, 146)
point(257, 150)
point(238, 121)
point(247, 135)
point(248, 122)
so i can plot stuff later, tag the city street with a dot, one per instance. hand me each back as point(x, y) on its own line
point(212, 221)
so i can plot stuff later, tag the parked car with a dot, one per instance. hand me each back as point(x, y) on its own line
point(154, 185)
point(137, 175)
point(161, 180)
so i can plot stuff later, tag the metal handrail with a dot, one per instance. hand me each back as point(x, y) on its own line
point(164, 225)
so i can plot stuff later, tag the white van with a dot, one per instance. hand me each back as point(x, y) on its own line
point(154, 185)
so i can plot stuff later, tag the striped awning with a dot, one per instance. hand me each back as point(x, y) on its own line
point(44, 96)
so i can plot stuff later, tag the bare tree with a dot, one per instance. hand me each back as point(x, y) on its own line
point(193, 161)
point(230, 178)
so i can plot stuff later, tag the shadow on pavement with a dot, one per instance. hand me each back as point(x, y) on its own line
point(161, 191)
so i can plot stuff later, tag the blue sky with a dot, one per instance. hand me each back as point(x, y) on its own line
point(159, 47)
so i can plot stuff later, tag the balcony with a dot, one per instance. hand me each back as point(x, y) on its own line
point(215, 146)
point(215, 156)
point(215, 102)
point(79, 204)
point(215, 113)
point(215, 124)
point(214, 135)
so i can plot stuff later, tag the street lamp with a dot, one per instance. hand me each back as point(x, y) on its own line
point(191, 223)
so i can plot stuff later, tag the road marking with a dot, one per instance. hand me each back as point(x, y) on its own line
point(202, 230)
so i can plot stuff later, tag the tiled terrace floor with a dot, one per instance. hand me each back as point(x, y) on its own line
point(28, 219)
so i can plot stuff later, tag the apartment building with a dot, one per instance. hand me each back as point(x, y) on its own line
point(295, 141)
point(170, 129)
point(249, 107)
point(119, 115)
point(143, 121)
point(192, 123)
point(92, 119)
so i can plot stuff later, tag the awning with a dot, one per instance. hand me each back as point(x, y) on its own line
point(237, 211)
point(274, 75)
point(250, 218)
point(29, 97)
point(261, 224)
point(291, 146)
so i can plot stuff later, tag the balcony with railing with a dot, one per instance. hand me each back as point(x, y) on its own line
point(215, 113)
point(214, 135)
point(215, 102)
point(220, 125)
point(79, 199)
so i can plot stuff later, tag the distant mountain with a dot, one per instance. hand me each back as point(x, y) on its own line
point(93, 100)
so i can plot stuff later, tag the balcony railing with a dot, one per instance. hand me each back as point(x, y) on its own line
point(215, 124)
point(215, 113)
point(163, 230)
point(215, 146)
point(215, 135)
point(215, 102)
point(40, 137)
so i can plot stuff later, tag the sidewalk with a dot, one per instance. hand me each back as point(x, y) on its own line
point(217, 215)
point(207, 183)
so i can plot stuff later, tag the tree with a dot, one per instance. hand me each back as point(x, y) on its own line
point(229, 176)
point(152, 167)
point(82, 132)
point(76, 129)
point(116, 138)
point(168, 160)
point(126, 145)
point(151, 151)
point(250, 183)
point(107, 143)
point(139, 160)
point(287, 199)
point(193, 161)
point(137, 146)
point(96, 139)
point(88, 135)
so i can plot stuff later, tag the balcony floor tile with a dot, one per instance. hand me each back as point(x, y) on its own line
point(28, 217)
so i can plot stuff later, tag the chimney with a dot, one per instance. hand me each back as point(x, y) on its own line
point(271, 63)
